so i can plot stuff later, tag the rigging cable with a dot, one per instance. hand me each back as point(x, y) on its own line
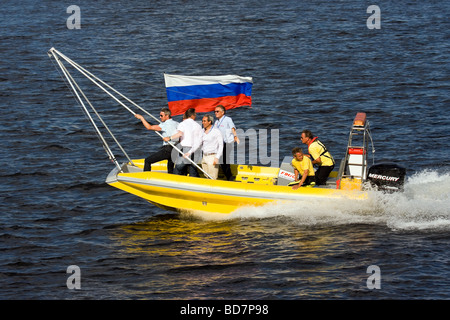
point(74, 87)
point(53, 52)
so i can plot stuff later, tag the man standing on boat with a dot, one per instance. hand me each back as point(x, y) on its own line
point(167, 127)
point(319, 155)
point(212, 147)
point(226, 127)
point(190, 133)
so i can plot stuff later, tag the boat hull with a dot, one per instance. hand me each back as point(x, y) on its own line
point(183, 193)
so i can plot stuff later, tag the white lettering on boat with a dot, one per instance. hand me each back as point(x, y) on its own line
point(381, 177)
point(286, 174)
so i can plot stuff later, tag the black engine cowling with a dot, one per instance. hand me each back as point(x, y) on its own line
point(388, 177)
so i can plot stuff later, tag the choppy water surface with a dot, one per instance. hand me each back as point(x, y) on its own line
point(315, 64)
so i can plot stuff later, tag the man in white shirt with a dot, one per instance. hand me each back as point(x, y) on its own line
point(190, 133)
point(167, 127)
point(226, 127)
point(212, 147)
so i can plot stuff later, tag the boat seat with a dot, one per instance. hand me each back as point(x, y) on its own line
point(255, 174)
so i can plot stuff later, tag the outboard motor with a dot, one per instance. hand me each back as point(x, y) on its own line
point(387, 177)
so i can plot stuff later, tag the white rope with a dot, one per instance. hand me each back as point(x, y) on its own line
point(94, 80)
point(71, 82)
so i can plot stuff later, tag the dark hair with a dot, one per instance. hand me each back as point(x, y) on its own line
point(209, 117)
point(296, 150)
point(167, 112)
point(221, 107)
point(189, 113)
point(308, 134)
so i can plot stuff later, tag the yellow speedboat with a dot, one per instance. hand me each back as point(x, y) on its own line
point(256, 185)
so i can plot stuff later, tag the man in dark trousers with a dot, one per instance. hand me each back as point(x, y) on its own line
point(167, 127)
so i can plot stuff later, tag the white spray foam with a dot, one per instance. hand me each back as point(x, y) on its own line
point(424, 205)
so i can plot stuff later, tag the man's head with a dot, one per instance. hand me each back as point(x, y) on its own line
point(190, 113)
point(306, 136)
point(219, 111)
point(165, 114)
point(297, 153)
point(207, 121)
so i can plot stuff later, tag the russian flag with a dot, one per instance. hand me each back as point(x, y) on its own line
point(204, 93)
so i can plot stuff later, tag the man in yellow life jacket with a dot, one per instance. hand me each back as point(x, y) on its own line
point(303, 170)
point(319, 155)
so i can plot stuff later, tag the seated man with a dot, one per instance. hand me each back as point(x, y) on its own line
point(303, 170)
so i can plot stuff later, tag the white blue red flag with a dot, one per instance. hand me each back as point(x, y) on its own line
point(204, 93)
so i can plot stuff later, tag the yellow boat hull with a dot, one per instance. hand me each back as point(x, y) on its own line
point(183, 193)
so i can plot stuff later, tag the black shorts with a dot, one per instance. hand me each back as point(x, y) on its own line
point(309, 180)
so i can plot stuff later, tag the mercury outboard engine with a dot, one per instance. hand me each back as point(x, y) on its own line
point(387, 177)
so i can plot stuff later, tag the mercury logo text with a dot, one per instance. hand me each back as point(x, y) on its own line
point(381, 177)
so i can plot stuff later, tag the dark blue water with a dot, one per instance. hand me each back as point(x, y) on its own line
point(314, 64)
